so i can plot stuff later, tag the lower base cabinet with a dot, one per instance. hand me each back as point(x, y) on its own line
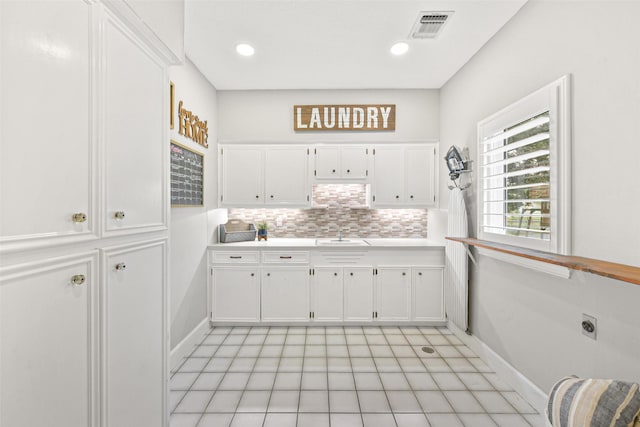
point(236, 294)
point(135, 335)
point(266, 286)
point(327, 294)
point(393, 293)
point(48, 340)
point(358, 294)
point(285, 294)
point(428, 293)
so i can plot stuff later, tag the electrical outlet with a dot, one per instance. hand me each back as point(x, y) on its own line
point(589, 326)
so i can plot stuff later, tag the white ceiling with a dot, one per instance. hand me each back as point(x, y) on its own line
point(335, 44)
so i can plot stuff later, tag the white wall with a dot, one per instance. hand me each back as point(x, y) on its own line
point(532, 319)
point(268, 115)
point(190, 227)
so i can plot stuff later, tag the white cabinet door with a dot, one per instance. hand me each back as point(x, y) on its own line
point(46, 148)
point(389, 176)
point(358, 293)
point(242, 176)
point(327, 294)
point(135, 335)
point(354, 162)
point(420, 172)
point(48, 356)
point(286, 176)
point(427, 294)
point(327, 162)
point(236, 294)
point(393, 293)
point(285, 294)
point(135, 153)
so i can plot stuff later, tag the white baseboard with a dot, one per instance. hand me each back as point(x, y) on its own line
point(185, 346)
point(507, 373)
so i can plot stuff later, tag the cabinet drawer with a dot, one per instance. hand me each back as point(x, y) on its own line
point(269, 257)
point(234, 257)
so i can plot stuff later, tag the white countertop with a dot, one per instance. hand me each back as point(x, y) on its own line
point(311, 243)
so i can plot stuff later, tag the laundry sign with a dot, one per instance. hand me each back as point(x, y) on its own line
point(344, 117)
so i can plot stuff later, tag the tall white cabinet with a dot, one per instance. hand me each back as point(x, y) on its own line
point(83, 225)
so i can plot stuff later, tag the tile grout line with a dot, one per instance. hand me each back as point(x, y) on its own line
point(275, 376)
point(326, 361)
point(204, 412)
point(413, 392)
point(353, 375)
point(430, 372)
point(378, 371)
point(200, 373)
point(244, 390)
point(301, 374)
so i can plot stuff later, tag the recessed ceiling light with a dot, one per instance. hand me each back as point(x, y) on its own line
point(399, 48)
point(245, 49)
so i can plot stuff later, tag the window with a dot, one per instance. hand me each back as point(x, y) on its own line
point(524, 185)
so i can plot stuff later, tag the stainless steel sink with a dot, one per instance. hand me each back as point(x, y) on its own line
point(341, 242)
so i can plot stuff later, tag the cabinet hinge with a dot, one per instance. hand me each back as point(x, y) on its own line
point(374, 198)
point(307, 151)
point(366, 151)
point(434, 198)
point(211, 314)
point(434, 151)
point(221, 151)
point(315, 172)
point(366, 173)
point(307, 197)
point(221, 197)
point(309, 315)
point(313, 314)
point(315, 151)
point(374, 151)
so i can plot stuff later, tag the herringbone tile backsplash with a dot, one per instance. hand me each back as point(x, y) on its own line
point(337, 206)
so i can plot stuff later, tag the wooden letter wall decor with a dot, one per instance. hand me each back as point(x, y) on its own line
point(191, 127)
point(344, 117)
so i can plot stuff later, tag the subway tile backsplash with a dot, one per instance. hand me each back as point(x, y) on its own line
point(338, 206)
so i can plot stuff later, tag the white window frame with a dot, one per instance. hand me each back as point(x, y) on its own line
point(555, 98)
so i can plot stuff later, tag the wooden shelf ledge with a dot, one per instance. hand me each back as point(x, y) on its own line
point(612, 270)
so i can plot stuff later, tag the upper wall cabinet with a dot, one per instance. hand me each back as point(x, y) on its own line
point(404, 175)
point(135, 147)
point(343, 163)
point(46, 149)
point(261, 176)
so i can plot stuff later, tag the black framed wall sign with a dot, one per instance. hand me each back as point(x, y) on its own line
point(187, 176)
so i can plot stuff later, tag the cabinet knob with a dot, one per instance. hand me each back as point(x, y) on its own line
point(420, 273)
point(268, 274)
point(411, 196)
point(404, 273)
point(333, 171)
point(257, 197)
point(253, 274)
point(119, 215)
point(271, 196)
point(79, 217)
point(348, 170)
point(351, 274)
point(397, 197)
point(335, 274)
point(77, 279)
point(121, 266)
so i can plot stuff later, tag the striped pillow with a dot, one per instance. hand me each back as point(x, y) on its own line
point(575, 402)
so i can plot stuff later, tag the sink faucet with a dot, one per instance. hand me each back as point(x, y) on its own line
point(339, 234)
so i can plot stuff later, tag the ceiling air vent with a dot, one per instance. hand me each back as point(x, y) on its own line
point(429, 24)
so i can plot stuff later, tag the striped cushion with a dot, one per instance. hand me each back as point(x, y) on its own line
point(575, 402)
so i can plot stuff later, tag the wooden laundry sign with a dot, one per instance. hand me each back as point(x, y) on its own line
point(344, 117)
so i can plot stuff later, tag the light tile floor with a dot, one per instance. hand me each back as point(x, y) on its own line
point(340, 377)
